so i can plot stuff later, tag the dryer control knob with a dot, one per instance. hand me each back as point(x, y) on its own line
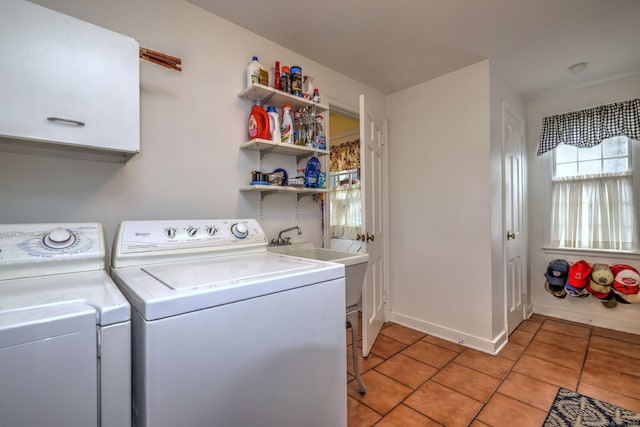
point(59, 238)
point(170, 232)
point(240, 230)
point(211, 230)
point(192, 231)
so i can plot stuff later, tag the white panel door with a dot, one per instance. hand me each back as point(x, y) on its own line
point(371, 163)
point(516, 292)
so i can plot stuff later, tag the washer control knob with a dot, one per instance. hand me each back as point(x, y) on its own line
point(211, 231)
point(192, 231)
point(170, 232)
point(59, 238)
point(240, 230)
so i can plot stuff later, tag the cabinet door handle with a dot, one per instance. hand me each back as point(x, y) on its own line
point(68, 121)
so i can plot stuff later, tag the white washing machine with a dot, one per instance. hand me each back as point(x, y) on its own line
point(228, 334)
point(65, 330)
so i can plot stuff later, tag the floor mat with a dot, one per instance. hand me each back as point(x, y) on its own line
point(571, 409)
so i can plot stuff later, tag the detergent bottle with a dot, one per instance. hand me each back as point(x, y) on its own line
point(253, 72)
point(312, 173)
point(274, 123)
point(258, 122)
point(286, 130)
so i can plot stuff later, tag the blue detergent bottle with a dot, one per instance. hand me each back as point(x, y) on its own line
point(312, 173)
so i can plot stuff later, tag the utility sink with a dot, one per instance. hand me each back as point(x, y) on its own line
point(355, 264)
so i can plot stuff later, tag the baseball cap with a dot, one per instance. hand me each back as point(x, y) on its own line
point(556, 273)
point(627, 279)
point(579, 274)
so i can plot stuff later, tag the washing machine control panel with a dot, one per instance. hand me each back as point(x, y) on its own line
point(28, 250)
point(180, 237)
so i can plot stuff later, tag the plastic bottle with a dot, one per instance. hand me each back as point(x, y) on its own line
point(296, 80)
point(285, 83)
point(297, 128)
point(316, 95)
point(320, 138)
point(286, 130)
point(258, 122)
point(253, 71)
point(274, 124)
point(312, 173)
point(276, 76)
point(307, 87)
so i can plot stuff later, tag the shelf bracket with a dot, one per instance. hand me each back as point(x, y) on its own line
point(267, 98)
point(266, 151)
point(264, 194)
point(301, 195)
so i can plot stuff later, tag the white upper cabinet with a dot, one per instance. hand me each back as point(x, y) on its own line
point(67, 84)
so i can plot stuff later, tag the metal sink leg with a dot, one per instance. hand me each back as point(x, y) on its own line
point(352, 317)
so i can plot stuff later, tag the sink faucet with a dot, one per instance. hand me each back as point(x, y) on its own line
point(286, 241)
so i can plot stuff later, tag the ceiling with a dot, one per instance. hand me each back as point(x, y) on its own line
point(391, 45)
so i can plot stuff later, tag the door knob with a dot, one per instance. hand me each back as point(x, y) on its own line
point(370, 237)
point(360, 237)
point(511, 235)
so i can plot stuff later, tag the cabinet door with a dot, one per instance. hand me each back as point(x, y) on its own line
point(56, 66)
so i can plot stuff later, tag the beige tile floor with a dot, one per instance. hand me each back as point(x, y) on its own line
point(414, 379)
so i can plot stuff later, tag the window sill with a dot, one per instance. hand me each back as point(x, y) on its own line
point(627, 255)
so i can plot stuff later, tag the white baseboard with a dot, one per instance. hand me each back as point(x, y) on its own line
point(492, 347)
point(617, 321)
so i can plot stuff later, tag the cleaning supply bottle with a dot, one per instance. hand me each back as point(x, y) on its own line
point(285, 83)
point(253, 71)
point(297, 128)
point(312, 173)
point(286, 130)
point(295, 77)
point(274, 123)
point(258, 122)
point(276, 76)
point(320, 138)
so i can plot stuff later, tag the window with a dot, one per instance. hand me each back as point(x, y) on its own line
point(592, 200)
point(346, 213)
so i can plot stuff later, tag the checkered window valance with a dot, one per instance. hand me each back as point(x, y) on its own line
point(588, 127)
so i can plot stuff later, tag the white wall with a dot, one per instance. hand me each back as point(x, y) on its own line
point(192, 124)
point(439, 205)
point(446, 229)
point(590, 311)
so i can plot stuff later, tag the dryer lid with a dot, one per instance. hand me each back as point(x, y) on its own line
point(93, 289)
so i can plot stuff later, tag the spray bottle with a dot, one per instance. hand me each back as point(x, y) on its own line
point(286, 130)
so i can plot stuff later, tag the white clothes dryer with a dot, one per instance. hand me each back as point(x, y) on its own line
point(65, 330)
point(228, 334)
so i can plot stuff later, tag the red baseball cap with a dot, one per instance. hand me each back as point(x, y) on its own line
point(579, 274)
point(627, 279)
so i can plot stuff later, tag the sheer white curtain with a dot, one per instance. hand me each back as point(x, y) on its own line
point(605, 200)
point(346, 216)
